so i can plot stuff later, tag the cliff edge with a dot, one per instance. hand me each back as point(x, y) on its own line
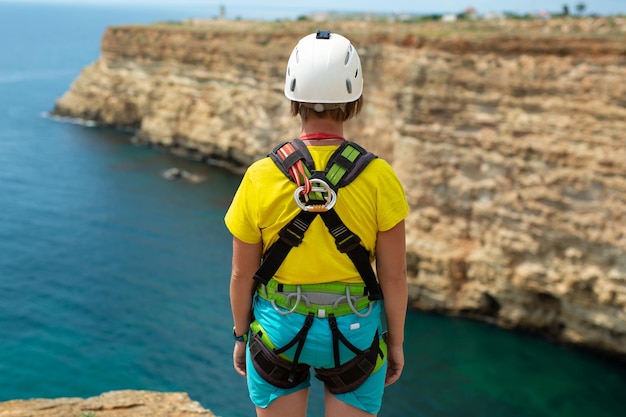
point(111, 404)
point(507, 135)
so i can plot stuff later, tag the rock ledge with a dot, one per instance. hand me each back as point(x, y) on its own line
point(115, 403)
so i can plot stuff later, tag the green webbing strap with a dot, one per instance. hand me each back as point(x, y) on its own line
point(339, 288)
point(335, 172)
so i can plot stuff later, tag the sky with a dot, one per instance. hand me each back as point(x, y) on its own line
point(277, 9)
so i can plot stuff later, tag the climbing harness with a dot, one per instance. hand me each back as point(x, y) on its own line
point(316, 194)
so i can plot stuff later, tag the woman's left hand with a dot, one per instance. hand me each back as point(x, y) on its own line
point(239, 358)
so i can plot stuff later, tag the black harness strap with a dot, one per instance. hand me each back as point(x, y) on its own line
point(350, 375)
point(272, 368)
point(290, 235)
point(338, 336)
point(299, 338)
point(275, 369)
point(350, 244)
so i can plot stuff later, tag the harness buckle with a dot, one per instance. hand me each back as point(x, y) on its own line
point(345, 240)
point(293, 233)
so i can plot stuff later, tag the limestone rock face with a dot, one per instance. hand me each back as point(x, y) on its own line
point(115, 403)
point(508, 137)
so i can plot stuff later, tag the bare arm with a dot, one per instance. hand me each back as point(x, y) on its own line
point(391, 269)
point(246, 260)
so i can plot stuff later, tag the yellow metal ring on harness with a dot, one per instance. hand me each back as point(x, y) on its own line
point(318, 186)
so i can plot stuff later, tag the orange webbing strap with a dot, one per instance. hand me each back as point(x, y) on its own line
point(297, 170)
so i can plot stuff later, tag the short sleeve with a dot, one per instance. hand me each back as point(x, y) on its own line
point(392, 203)
point(242, 216)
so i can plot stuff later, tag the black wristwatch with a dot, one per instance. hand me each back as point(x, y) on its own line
point(242, 338)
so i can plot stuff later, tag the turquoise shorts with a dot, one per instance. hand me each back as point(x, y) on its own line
point(318, 353)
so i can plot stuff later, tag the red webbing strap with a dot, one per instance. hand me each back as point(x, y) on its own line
point(296, 170)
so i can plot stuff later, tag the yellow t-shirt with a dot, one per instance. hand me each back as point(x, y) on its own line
point(264, 203)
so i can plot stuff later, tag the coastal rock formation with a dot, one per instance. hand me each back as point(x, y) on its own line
point(111, 404)
point(508, 137)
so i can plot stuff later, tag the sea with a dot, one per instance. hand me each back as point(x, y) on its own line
point(113, 277)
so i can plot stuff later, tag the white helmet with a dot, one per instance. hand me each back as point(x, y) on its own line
point(324, 68)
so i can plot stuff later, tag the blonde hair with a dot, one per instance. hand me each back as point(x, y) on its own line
point(337, 114)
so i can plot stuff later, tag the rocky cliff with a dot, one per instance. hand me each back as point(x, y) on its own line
point(111, 404)
point(508, 137)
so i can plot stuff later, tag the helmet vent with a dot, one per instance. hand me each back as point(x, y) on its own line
point(349, 86)
point(347, 58)
point(293, 85)
point(356, 73)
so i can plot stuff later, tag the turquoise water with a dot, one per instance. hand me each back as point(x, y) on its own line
point(114, 278)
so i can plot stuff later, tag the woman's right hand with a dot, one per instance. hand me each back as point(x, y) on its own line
point(395, 363)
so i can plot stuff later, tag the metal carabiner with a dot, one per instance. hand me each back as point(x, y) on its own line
point(322, 187)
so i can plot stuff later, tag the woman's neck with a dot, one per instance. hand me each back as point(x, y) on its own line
point(332, 129)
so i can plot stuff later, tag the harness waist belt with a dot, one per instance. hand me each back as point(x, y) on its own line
point(319, 299)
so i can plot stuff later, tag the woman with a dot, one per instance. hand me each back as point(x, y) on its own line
point(309, 306)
